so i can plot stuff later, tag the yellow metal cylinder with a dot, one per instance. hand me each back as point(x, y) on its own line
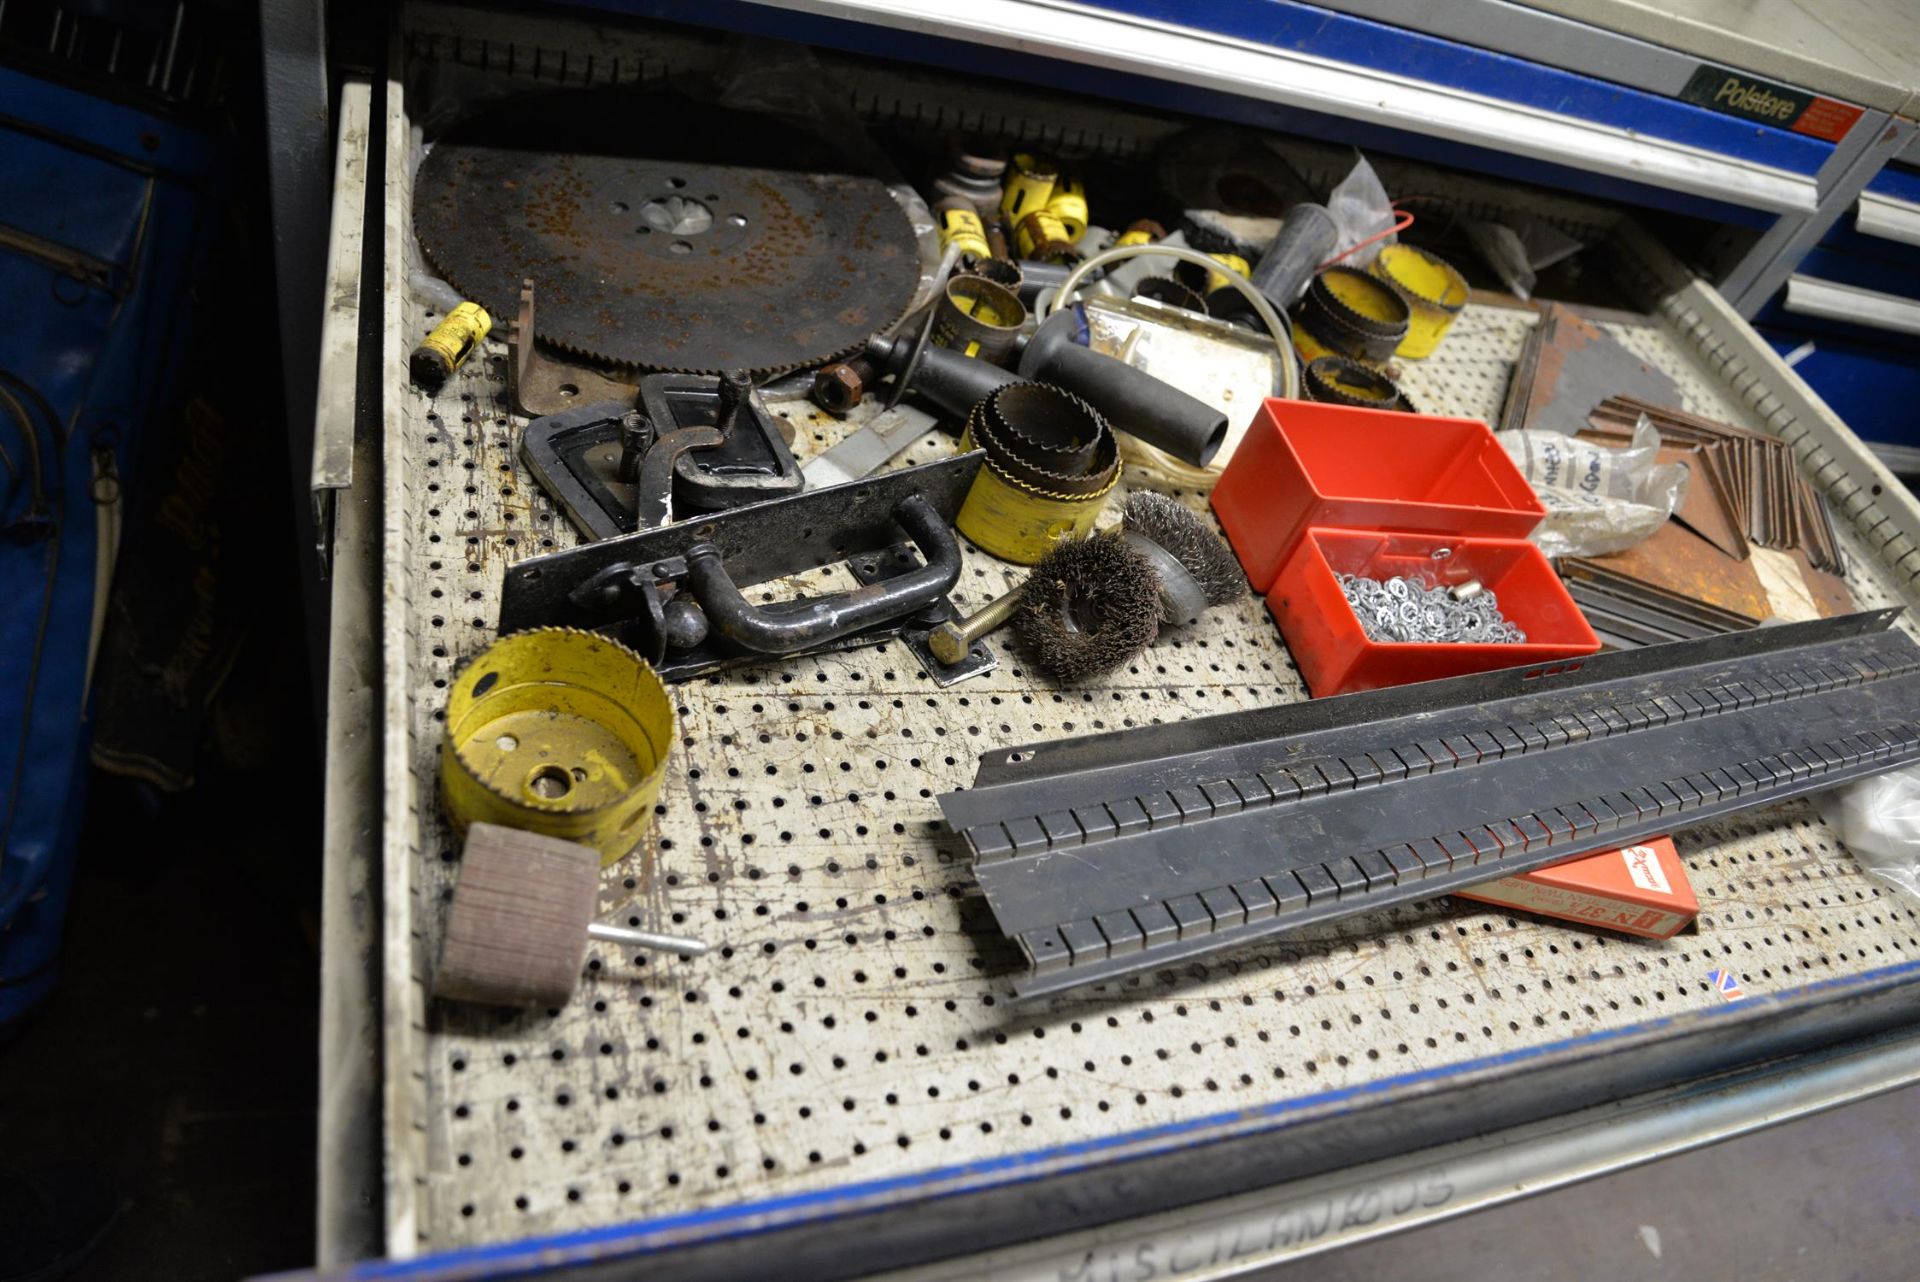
point(978, 316)
point(1435, 292)
point(1068, 203)
point(1143, 232)
point(1233, 261)
point(560, 732)
point(451, 342)
point(1041, 235)
point(1019, 524)
point(960, 226)
point(1029, 185)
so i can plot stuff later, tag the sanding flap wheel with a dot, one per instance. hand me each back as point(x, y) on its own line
point(517, 928)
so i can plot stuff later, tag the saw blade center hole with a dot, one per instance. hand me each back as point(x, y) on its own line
point(675, 216)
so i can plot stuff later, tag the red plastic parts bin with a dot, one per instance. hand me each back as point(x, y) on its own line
point(1333, 651)
point(1304, 464)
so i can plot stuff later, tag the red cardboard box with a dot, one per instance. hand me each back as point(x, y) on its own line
point(1638, 890)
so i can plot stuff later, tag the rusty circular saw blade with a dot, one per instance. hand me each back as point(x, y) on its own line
point(671, 260)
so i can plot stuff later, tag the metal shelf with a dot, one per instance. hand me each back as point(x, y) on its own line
point(1888, 217)
point(850, 1050)
point(1811, 296)
point(1639, 147)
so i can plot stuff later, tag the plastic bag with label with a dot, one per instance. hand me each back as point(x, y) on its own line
point(1878, 819)
point(1598, 499)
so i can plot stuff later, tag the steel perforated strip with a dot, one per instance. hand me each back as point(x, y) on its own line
point(1125, 816)
point(1138, 895)
point(1141, 938)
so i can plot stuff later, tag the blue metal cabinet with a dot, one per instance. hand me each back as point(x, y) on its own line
point(96, 269)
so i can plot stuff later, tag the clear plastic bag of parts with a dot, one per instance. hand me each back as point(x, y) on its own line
point(1598, 499)
point(1360, 209)
point(1878, 819)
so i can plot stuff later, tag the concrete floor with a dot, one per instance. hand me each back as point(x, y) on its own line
point(1829, 1197)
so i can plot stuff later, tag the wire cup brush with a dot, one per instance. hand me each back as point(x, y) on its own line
point(1194, 569)
point(1093, 604)
point(1090, 606)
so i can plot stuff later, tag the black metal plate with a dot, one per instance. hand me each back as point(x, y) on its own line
point(575, 456)
point(755, 463)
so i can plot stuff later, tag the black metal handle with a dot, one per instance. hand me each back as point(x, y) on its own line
point(790, 629)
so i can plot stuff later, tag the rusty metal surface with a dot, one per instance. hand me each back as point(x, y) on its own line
point(538, 384)
point(1828, 591)
point(1678, 561)
point(1568, 366)
point(659, 260)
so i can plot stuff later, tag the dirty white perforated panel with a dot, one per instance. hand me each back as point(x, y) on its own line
point(854, 1021)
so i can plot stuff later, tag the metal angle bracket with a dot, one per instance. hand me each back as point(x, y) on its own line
point(1190, 838)
point(674, 595)
point(539, 384)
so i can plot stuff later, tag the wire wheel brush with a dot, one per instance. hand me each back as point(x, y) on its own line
point(1088, 608)
point(1095, 603)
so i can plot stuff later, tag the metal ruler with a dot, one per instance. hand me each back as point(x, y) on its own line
point(1107, 856)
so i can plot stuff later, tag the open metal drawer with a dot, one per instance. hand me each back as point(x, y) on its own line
point(843, 1087)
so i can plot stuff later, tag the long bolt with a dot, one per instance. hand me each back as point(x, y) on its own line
point(951, 641)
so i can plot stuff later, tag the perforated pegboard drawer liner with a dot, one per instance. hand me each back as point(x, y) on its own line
point(854, 1023)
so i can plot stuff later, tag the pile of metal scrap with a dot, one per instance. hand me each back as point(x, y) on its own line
point(1750, 541)
point(1568, 366)
point(664, 277)
point(1698, 574)
point(1626, 611)
point(1754, 479)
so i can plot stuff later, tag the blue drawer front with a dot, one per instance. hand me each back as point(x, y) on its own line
point(1362, 42)
point(1873, 386)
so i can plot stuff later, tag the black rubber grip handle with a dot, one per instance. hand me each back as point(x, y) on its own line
point(1134, 401)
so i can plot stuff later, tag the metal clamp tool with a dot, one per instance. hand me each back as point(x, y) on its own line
point(674, 594)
